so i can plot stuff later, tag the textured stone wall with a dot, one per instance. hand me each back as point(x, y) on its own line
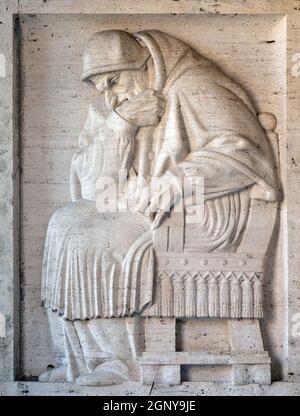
point(41, 115)
point(250, 49)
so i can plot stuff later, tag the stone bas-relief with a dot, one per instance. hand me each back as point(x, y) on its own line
point(125, 258)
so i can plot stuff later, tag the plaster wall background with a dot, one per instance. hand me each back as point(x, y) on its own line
point(54, 103)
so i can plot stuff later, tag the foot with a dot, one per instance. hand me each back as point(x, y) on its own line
point(105, 374)
point(57, 375)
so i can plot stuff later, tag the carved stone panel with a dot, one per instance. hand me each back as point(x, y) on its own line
point(161, 98)
point(153, 204)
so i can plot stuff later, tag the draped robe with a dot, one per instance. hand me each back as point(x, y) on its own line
point(101, 265)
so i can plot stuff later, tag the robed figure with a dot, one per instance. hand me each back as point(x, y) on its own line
point(168, 111)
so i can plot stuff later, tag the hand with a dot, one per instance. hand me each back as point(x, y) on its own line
point(167, 194)
point(144, 109)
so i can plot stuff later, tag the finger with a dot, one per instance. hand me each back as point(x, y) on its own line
point(161, 103)
point(156, 198)
point(161, 107)
point(142, 205)
point(153, 102)
point(155, 98)
point(146, 106)
point(160, 95)
point(150, 92)
point(154, 109)
point(162, 212)
point(147, 95)
point(160, 112)
point(157, 220)
point(153, 207)
point(143, 97)
point(160, 200)
point(167, 201)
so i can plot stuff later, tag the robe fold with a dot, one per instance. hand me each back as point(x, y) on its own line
point(92, 267)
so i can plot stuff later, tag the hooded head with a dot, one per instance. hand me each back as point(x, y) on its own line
point(112, 50)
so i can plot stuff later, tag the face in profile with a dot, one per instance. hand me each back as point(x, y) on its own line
point(119, 86)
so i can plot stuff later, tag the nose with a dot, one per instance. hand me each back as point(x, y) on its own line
point(110, 99)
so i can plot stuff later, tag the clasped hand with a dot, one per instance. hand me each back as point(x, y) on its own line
point(144, 109)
